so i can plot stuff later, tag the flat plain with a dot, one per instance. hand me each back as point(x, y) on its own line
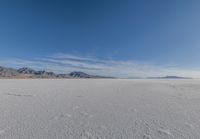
point(99, 109)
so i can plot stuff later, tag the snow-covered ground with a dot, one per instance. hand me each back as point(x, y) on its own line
point(99, 109)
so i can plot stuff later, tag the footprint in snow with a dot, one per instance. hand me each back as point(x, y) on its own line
point(164, 132)
point(18, 95)
point(62, 116)
point(65, 115)
point(86, 114)
point(189, 125)
point(87, 135)
point(145, 136)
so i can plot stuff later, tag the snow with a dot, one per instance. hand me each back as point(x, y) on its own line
point(99, 109)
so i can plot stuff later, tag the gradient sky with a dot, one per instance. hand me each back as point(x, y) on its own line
point(163, 34)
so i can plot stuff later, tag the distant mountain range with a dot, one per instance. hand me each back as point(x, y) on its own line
point(30, 73)
point(169, 77)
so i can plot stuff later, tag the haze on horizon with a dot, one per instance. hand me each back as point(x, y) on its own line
point(123, 38)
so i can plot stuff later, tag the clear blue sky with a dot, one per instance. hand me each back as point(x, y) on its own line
point(163, 32)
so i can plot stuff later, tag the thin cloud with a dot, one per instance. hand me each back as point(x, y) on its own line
point(65, 63)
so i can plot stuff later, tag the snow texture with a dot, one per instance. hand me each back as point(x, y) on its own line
point(99, 109)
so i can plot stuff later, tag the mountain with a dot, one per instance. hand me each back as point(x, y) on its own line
point(175, 77)
point(77, 74)
point(30, 73)
point(8, 72)
point(169, 77)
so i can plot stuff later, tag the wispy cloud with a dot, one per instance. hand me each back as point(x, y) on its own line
point(65, 63)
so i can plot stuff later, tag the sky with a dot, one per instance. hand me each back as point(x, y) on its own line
point(122, 38)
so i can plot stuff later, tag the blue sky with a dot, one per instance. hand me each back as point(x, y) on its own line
point(124, 38)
